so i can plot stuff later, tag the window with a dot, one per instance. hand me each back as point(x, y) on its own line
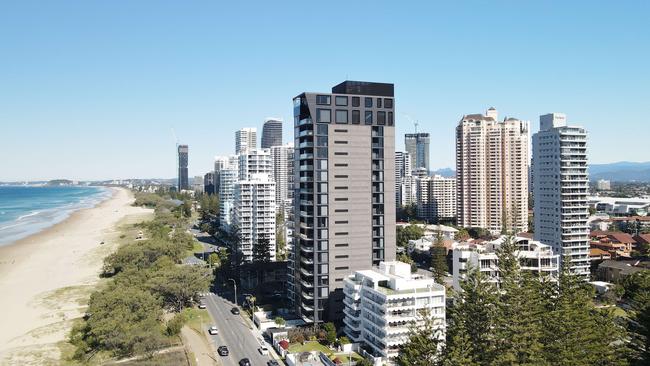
point(356, 117)
point(341, 222)
point(321, 129)
point(381, 118)
point(340, 187)
point(341, 210)
point(341, 164)
point(341, 116)
point(321, 152)
point(322, 164)
point(390, 118)
point(368, 102)
point(341, 245)
point(368, 117)
point(341, 176)
point(388, 103)
point(321, 140)
point(341, 153)
point(378, 102)
point(356, 101)
point(341, 256)
point(340, 199)
point(341, 101)
point(323, 115)
point(340, 142)
point(323, 99)
point(341, 268)
point(341, 131)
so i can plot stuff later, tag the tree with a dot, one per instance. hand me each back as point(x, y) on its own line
point(479, 233)
point(330, 333)
point(175, 324)
point(637, 294)
point(462, 234)
point(177, 285)
point(279, 321)
point(423, 343)
point(214, 260)
point(406, 233)
point(364, 362)
point(439, 259)
point(280, 244)
point(262, 250)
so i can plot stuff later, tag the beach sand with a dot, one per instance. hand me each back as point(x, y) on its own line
point(46, 279)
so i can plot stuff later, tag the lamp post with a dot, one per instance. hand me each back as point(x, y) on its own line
point(235, 286)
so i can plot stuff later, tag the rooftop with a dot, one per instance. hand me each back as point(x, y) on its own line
point(364, 88)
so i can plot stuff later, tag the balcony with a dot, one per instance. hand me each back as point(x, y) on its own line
point(306, 284)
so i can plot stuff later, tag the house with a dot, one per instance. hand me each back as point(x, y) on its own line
point(615, 271)
point(598, 254)
point(618, 244)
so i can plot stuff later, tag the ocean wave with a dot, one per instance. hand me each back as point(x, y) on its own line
point(28, 215)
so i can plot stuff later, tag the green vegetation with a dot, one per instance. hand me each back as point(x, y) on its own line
point(125, 317)
point(528, 321)
point(280, 244)
point(406, 233)
point(262, 250)
point(637, 294)
point(439, 259)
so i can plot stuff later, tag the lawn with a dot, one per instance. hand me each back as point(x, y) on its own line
point(196, 318)
point(308, 347)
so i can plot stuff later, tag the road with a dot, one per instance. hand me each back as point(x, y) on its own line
point(234, 332)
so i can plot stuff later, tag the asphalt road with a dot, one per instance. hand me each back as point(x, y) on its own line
point(234, 333)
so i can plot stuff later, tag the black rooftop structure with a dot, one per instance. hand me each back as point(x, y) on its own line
point(364, 88)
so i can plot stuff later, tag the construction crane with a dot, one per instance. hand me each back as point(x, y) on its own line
point(176, 153)
point(416, 126)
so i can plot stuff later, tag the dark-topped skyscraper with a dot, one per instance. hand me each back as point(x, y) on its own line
point(272, 133)
point(344, 181)
point(417, 145)
point(183, 182)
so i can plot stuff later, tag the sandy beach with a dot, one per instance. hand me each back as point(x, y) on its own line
point(46, 279)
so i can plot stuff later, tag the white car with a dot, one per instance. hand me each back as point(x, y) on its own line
point(213, 330)
point(264, 350)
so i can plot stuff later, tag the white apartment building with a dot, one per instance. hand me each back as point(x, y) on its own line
point(282, 175)
point(603, 185)
point(533, 257)
point(436, 198)
point(560, 189)
point(381, 304)
point(254, 213)
point(492, 161)
point(245, 139)
point(197, 184)
point(227, 180)
point(255, 161)
point(402, 172)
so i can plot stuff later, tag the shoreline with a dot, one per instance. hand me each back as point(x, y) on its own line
point(47, 277)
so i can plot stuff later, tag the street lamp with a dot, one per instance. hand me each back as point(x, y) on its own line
point(235, 286)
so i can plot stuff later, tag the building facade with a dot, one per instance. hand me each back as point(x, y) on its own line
point(183, 179)
point(209, 186)
point(245, 139)
point(560, 189)
point(227, 180)
point(255, 161)
point(381, 305)
point(436, 198)
point(344, 192)
point(603, 185)
point(492, 166)
point(254, 214)
point(417, 145)
point(402, 170)
point(197, 184)
point(534, 257)
point(272, 133)
point(282, 169)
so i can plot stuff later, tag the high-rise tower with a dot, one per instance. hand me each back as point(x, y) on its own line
point(560, 188)
point(345, 192)
point(245, 139)
point(272, 133)
point(183, 180)
point(417, 145)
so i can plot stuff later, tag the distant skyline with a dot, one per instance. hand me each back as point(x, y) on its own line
point(92, 90)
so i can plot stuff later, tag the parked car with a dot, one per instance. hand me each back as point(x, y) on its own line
point(223, 351)
point(273, 363)
point(235, 310)
point(244, 362)
point(264, 350)
point(213, 330)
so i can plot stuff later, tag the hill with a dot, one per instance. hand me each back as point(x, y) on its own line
point(623, 171)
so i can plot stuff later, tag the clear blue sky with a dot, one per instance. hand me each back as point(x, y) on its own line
point(91, 89)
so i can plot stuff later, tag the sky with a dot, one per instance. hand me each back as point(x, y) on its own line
point(95, 89)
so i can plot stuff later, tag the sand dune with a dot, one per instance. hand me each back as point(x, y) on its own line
point(45, 279)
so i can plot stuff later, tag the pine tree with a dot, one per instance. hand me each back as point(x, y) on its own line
point(439, 259)
point(458, 350)
point(262, 250)
point(422, 348)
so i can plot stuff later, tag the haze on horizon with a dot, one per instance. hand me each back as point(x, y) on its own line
point(92, 90)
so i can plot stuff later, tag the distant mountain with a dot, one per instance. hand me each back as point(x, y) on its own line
point(623, 171)
point(445, 172)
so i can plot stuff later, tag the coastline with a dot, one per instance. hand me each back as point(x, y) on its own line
point(46, 278)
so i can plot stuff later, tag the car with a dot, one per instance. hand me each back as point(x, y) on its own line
point(223, 351)
point(273, 363)
point(213, 330)
point(244, 362)
point(202, 306)
point(235, 310)
point(263, 350)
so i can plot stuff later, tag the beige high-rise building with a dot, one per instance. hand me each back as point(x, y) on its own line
point(492, 162)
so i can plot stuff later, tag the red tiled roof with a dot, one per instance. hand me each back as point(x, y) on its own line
point(642, 238)
point(631, 218)
point(595, 252)
point(526, 235)
point(614, 236)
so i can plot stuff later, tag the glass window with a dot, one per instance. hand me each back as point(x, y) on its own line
point(322, 187)
point(381, 118)
point(356, 101)
point(321, 140)
point(322, 175)
point(378, 102)
point(368, 117)
point(323, 115)
point(341, 116)
point(341, 101)
point(368, 102)
point(322, 164)
point(323, 100)
point(388, 103)
point(321, 152)
point(321, 129)
point(390, 118)
point(356, 117)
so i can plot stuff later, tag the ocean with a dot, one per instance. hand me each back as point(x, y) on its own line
point(26, 210)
